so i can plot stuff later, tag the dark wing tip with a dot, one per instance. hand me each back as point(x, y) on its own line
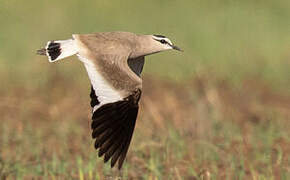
point(113, 125)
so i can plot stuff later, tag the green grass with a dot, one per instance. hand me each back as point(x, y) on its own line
point(218, 110)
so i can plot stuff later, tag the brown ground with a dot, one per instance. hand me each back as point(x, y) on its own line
point(198, 129)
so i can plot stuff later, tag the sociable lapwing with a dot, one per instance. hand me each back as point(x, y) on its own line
point(114, 62)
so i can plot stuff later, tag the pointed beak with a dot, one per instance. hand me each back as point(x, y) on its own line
point(176, 48)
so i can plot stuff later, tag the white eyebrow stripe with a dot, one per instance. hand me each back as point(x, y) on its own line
point(166, 39)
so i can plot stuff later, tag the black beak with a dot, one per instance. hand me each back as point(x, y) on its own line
point(176, 48)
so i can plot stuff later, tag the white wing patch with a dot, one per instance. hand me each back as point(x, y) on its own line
point(104, 92)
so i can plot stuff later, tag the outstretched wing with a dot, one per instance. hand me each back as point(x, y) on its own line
point(113, 125)
point(115, 93)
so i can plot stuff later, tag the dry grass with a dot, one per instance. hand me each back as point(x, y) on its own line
point(202, 129)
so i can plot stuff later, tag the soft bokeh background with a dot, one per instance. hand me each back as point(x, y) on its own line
point(219, 110)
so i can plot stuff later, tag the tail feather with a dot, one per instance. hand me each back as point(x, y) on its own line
point(56, 50)
point(41, 51)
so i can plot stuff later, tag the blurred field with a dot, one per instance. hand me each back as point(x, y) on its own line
point(220, 110)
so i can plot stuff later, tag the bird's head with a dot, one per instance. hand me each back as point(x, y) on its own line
point(164, 43)
point(151, 44)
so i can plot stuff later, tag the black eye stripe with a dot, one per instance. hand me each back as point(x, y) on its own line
point(163, 41)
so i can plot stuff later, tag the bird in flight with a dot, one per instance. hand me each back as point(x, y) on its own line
point(114, 62)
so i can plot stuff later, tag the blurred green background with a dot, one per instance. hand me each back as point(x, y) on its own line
point(233, 38)
point(223, 104)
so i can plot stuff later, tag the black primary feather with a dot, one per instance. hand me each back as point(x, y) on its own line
point(113, 125)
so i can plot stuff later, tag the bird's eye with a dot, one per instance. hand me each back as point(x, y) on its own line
point(163, 41)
